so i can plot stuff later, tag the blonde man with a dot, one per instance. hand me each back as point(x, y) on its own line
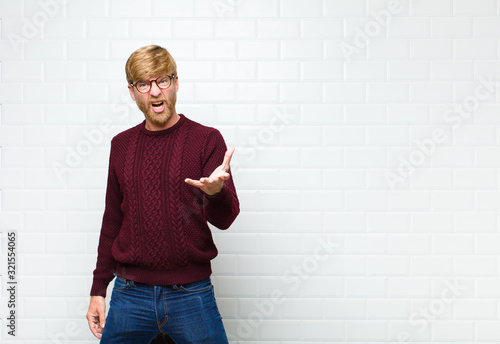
point(168, 177)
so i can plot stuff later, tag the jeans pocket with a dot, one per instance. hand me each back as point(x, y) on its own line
point(121, 283)
point(196, 287)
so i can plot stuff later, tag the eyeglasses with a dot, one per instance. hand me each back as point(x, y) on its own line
point(163, 82)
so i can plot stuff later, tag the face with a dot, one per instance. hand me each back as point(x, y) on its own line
point(158, 105)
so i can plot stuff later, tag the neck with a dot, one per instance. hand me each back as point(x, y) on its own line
point(170, 123)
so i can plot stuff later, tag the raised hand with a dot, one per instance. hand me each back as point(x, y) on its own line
point(214, 183)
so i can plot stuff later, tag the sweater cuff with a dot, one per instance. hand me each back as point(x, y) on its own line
point(99, 288)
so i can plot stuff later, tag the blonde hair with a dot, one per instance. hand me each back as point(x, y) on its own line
point(149, 61)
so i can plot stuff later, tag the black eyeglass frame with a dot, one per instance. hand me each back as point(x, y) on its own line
point(151, 83)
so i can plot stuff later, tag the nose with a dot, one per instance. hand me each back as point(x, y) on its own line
point(155, 90)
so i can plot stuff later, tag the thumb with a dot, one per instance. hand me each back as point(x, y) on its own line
point(102, 318)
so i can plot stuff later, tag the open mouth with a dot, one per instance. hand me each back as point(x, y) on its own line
point(158, 106)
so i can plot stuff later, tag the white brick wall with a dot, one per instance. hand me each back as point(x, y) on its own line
point(366, 162)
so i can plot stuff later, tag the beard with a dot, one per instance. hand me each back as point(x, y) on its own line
point(161, 118)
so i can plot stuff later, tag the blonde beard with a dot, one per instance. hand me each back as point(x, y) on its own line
point(159, 119)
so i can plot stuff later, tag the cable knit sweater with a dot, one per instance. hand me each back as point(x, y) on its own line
point(154, 228)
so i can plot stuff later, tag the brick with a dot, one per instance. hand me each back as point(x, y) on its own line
point(431, 92)
point(365, 70)
point(478, 8)
point(295, 92)
point(452, 70)
point(215, 49)
point(68, 200)
point(301, 49)
point(107, 29)
point(258, 8)
point(413, 244)
point(89, 9)
point(344, 178)
point(280, 29)
point(321, 157)
point(431, 265)
point(477, 48)
point(453, 330)
point(412, 287)
point(344, 135)
point(235, 28)
point(452, 157)
point(365, 114)
point(322, 70)
point(387, 92)
point(130, 8)
point(278, 70)
point(408, 27)
point(381, 49)
point(57, 29)
point(408, 70)
point(486, 200)
point(473, 265)
point(338, 8)
point(408, 113)
point(193, 28)
point(345, 92)
point(360, 157)
point(315, 330)
point(22, 157)
point(451, 27)
point(235, 70)
point(45, 221)
point(77, 93)
point(11, 136)
point(425, 222)
point(428, 49)
point(257, 92)
point(279, 200)
point(311, 179)
point(65, 71)
point(149, 29)
point(22, 200)
point(44, 50)
point(172, 8)
point(433, 178)
point(321, 200)
point(431, 8)
point(301, 8)
point(86, 49)
point(452, 244)
point(365, 330)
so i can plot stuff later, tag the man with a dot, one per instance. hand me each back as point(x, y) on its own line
point(167, 177)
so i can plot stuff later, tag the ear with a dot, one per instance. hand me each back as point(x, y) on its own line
point(176, 83)
point(131, 90)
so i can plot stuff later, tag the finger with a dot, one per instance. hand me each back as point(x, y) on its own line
point(192, 182)
point(227, 158)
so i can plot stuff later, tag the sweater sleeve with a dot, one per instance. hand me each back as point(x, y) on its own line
point(222, 208)
point(111, 224)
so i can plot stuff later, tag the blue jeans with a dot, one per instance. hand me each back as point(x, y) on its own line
point(188, 313)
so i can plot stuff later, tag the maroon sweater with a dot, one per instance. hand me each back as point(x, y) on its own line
point(154, 228)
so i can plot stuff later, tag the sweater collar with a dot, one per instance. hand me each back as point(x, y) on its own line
point(143, 129)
